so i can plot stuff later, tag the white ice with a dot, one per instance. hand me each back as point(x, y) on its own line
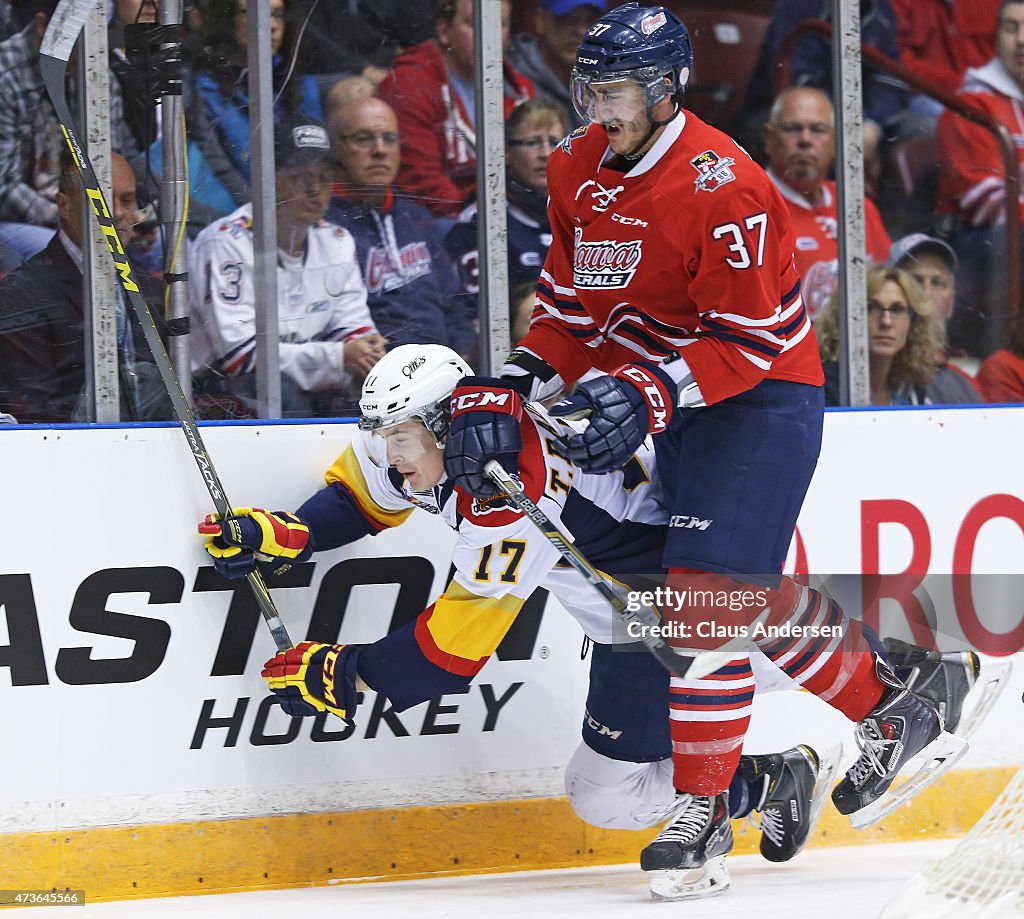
point(841, 883)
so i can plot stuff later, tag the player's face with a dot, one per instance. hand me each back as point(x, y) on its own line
point(933, 274)
point(304, 191)
point(889, 319)
point(366, 144)
point(800, 142)
point(413, 453)
point(1010, 40)
point(621, 109)
point(527, 155)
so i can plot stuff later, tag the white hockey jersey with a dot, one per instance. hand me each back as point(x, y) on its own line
point(500, 558)
point(321, 302)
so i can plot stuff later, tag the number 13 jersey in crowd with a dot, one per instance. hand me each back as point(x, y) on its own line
point(689, 251)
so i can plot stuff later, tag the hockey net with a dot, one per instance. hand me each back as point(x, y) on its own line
point(983, 877)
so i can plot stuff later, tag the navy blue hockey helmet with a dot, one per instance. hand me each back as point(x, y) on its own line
point(641, 43)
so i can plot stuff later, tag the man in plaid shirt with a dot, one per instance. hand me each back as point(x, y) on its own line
point(30, 140)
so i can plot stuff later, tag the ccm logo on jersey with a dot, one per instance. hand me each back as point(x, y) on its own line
point(689, 523)
point(629, 221)
point(606, 264)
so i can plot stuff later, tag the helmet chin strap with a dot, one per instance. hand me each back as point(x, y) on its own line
point(635, 153)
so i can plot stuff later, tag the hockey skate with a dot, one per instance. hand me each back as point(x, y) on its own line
point(901, 726)
point(947, 679)
point(796, 783)
point(687, 858)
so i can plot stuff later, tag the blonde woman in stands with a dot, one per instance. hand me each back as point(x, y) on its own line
point(905, 337)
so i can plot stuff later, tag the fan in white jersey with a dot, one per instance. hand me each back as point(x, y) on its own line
point(325, 331)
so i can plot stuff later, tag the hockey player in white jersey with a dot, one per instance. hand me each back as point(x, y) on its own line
point(621, 777)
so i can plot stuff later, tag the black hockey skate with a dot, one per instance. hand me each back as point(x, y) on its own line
point(795, 784)
point(687, 858)
point(901, 726)
point(942, 679)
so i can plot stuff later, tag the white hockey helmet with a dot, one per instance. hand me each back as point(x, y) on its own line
point(412, 381)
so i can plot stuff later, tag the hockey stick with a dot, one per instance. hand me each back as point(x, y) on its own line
point(63, 30)
point(693, 666)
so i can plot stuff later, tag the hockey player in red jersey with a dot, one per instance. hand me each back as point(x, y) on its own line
point(671, 269)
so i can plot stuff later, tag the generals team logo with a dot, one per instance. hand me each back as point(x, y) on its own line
point(606, 264)
point(712, 170)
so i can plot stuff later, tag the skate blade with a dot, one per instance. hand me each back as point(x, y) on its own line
point(710, 880)
point(828, 768)
point(937, 758)
point(989, 686)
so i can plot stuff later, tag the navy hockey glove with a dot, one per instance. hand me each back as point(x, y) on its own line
point(486, 415)
point(636, 400)
point(275, 539)
point(312, 678)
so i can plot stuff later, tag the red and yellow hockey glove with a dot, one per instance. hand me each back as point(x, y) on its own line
point(253, 535)
point(313, 677)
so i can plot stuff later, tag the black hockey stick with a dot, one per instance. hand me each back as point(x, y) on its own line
point(693, 666)
point(63, 30)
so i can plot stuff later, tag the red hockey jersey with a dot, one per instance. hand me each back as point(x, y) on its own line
point(971, 172)
point(815, 232)
point(689, 251)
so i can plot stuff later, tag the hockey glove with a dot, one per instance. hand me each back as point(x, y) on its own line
point(277, 539)
point(313, 677)
point(636, 400)
point(486, 415)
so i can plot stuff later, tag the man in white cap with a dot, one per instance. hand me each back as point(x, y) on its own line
point(326, 334)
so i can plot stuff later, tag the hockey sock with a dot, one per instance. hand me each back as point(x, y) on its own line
point(708, 719)
point(829, 654)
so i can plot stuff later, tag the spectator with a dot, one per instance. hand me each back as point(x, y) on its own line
point(972, 175)
point(30, 141)
point(431, 91)
point(932, 263)
point(533, 130)
point(800, 144)
point(884, 97)
point(411, 285)
point(1001, 375)
point(326, 333)
point(361, 36)
point(42, 324)
point(548, 56)
point(904, 339)
point(218, 116)
point(938, 40)
point(521, 298)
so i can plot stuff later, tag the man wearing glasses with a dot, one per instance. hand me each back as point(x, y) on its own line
point(800, 145)
point(411, 285)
